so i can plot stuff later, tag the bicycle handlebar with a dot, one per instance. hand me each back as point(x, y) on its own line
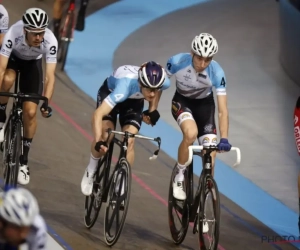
point(212, 148)
point(25, 96)
point(157, 139)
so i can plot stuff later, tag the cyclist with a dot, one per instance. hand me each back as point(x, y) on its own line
point(123, 93)
point(57, 15)
point(24, 45)
point(4, 21)
point(20, 221)
point(193, 105)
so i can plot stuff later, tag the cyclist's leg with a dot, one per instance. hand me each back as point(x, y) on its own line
point(183, 115)
point(31, 82)
point(81, 15)
point(57, 15)
point(131, 120)
point(8, 81)
point(108, 121)
point(205, 120)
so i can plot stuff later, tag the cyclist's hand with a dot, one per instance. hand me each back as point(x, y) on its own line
point(46, 110)
point(153, 115)
point(224, 145)
point(101, 146)
point(146, 119)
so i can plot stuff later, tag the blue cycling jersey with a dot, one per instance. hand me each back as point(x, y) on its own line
point(123, 84)
point(192, 84)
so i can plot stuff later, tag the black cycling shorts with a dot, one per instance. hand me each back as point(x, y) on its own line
point(31, 75)
point(130, 111)
point(202, 111)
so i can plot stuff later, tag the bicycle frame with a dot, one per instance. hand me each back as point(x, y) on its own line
point(15, 118)
point(193, 202)
point(123, 153)
point(70, 11)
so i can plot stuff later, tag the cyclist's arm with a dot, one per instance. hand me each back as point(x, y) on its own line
point(219, 81)
point(103, 110)
point(4, 21)
point(3, 65)
point(223, 115)
point(51, 59)
point(49, 80)
point(119, 94)
point(6, 49)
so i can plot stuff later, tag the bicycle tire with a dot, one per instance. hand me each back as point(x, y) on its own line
point(5, 146)
point(178, 236)
point(213, 189)
point(90, 200)
point(125, 170)
point(16, 150)
point(64, 45)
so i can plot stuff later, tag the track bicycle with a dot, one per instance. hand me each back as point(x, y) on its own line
point(193, 209)
point(113, 189)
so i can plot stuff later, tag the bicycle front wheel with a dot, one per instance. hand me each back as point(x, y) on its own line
point(178, 211)
point(16, 144)
point(209, 215)
point(118, 202)
point(93, 202)
point(5, 150)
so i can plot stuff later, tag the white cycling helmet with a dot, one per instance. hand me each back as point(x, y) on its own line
point(19, 207)
point(35, 18)
point(205, 45)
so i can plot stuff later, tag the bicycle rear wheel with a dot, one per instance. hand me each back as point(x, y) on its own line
point(93, 202)
point(178, 210)
point(209, 220)
point(65, 39)
point(118, 202)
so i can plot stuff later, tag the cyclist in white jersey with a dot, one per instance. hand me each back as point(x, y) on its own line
point(23, 47)
point(193, 105)
point(123, 93)
point(20, 221)
point(4, 21)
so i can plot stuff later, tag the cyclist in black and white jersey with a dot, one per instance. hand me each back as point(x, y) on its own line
point(20, 221)
point(23, 47)
point(4, 21)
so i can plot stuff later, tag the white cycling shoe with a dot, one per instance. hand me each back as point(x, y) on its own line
point(24, 175)
point(87, 183)
point(178, 192)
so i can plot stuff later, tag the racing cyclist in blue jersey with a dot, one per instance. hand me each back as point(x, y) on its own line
point(193, 105)
point(123, 93)
point(20, 221)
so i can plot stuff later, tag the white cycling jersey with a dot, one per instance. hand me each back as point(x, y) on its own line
point(4, 19)
point(195, 85)
point(14, 42)
point(36, 239)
